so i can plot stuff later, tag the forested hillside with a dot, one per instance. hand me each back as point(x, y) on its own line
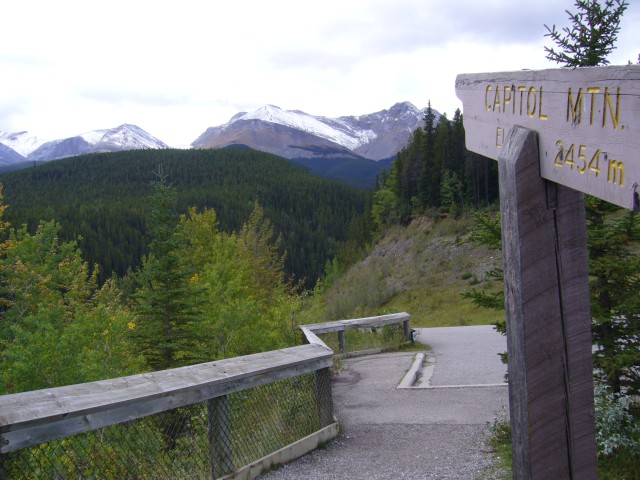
point(435, 173)
point(103, 199)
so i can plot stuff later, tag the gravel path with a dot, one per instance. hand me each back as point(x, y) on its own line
point(416, 433)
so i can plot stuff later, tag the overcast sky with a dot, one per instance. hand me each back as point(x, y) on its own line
point(175, 68)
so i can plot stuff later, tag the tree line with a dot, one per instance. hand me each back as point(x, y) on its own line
point(435, 173)
point(102, 202)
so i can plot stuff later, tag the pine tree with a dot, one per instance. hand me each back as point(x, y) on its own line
point(164, 304)
point(424, 185)
point(259, 244)
point(612, 236)
point(592, 35)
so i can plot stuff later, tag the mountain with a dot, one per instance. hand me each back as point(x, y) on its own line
point(294, 134)
point(21, 142)
point(124, 137)
point(9, 157)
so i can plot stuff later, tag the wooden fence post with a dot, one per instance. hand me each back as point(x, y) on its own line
point(406, 328)
point(548, 319)
point(219, 431)
point(324, 398)
point(342, 342)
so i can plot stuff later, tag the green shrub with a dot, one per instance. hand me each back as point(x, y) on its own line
point(616, 427)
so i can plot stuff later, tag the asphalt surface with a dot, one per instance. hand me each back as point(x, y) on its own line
point(434, 431)
point(465, 355)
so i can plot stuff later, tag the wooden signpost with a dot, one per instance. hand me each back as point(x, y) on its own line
point(579, 130)
point(587, 121)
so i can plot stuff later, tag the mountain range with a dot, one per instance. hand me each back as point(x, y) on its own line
point(351, 148)
point(293, 134)
point(21, 147)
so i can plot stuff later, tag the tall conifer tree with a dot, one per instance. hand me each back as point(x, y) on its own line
point(164, 305)
point(612, 239)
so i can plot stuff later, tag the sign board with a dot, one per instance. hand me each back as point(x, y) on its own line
point(587, 120)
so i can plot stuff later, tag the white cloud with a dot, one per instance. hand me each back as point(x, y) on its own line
point(176, 68)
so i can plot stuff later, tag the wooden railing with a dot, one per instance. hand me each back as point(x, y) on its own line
point(33, 418)
point(340, 326)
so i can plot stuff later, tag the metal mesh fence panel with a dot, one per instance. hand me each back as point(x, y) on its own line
point(200, 441)
point(272, 416)
point(356, 340)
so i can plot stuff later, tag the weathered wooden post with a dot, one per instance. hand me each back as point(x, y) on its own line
point(342, 342)
point(548, 338)
point(406, 329)
point(578, 129)
point(219, 432)
point(324, 398)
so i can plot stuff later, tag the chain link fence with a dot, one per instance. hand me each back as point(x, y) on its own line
point(200, 441)
point(214, 418)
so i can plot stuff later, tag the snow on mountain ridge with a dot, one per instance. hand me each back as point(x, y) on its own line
point(130, 137)
point(94, 136)
point(342, 134)
point(124, 136)
point(21, 142)
point(295, 134)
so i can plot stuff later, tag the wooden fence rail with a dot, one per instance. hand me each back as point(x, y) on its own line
point(31, 418)
point(340, 326)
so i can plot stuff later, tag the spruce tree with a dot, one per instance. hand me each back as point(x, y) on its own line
point(592, 35)
point(424, 186)
point(612, 236)
point(164, 304)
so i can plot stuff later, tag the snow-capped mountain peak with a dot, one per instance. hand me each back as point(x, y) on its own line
point(22, 142)
point(124, 137)
point(340, 133)
point(375, 136)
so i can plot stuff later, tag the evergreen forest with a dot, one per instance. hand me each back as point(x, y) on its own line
point(435, 174)
point(102, 201)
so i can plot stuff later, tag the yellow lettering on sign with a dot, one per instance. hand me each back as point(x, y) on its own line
point(594, 163)
point(541, 115)
point(567, 157)
point(615, 117)
point(496, 99)
point(616, 172)
point(582, 158)
point(499, 137)
point(592, 91)
point(522, 89)
point(531, 105)
point(486, 98)
point(574, 109)
point(507, 97)
point(503, 98)
point(560, 155)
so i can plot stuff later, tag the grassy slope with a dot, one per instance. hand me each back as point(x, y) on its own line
point(422, 269)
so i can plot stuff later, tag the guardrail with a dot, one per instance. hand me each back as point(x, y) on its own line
point(370, 323)
point(225, 419)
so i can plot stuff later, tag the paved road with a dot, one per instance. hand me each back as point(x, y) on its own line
point(436, 431)
point(465, 355)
